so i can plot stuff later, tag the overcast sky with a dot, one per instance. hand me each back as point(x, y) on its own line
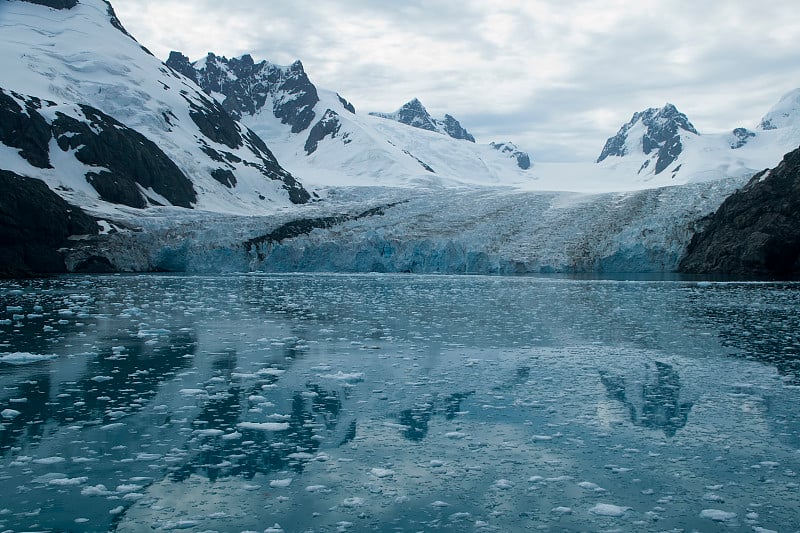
point(557, 77)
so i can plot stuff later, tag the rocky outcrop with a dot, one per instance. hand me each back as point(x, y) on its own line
point(120, 162)
point(656, 130)
point(55, 4)
point(248, 86)
point(414, 114)
point(756, 231)
point(35, 226)
point(510, 149)
point(328, 126)
point(740, 137)
point(454, 129)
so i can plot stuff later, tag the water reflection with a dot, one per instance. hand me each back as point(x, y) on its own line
point(761, 321)
point(115, 383)
point(415, 421)
point(224, 444)
point(661, 407)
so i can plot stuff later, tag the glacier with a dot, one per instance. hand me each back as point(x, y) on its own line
point(465, 230)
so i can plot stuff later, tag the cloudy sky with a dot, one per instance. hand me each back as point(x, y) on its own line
point(555, 76)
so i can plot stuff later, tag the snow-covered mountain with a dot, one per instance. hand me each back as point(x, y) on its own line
point(321, 138)
point(659, 147)
point(656, 133)
point(784, 115)
point(118, 98)
point(413, 113)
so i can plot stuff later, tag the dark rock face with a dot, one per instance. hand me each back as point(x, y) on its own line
point(127, 159)
point(55, 4)
point(741, 136)
point(328, 125)
point(756, 231)
point(248, 86)
point(180, 63)
point(214, 122)
point(454, 129)
point(414, 114)
point(35, 224)
point(132, 160)
point(662, 134)
point(510, 149)
point(24, 128)
point(347, 105)
point(224, 176)
point(270, 168)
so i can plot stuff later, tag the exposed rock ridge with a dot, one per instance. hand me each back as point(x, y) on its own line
point(756, 231)
point(510, 149)
point(414, 114)
point(246, 86)
point(35, 225)
point(661, 133)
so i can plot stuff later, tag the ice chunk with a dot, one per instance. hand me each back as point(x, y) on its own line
point(382, 472)
point(717, 515)
point(353, 501)
point(264, 426)
point(607, 509)
point(352, 377)
point(503, 484)
point(24, 358)
point(49, 460)
point(280, 483)
point(9, 413)
point(67, 481)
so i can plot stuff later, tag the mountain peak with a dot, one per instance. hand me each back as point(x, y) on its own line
point(783, 114)
point(414, 114)
point(652, 130)
point(510, 149)
point(249, 86)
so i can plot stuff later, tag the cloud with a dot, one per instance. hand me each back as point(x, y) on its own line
point(556, 77)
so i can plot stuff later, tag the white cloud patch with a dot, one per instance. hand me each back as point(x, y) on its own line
point(557, 77)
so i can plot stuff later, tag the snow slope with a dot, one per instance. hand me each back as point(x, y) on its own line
point(82, 55)
point(408, 148)
point(341, 146)
point(635, 161)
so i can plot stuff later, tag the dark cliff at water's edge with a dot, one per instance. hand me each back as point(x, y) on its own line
point(756, 231)
point(35, 226)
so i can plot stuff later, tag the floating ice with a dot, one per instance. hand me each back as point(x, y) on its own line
point(9, 413)
point(717, 515)
point(382, 472)
point(96, 490)
point(353, 501)
point(264, 426)
point(607, 509)
point(68, 481)
point(24, 358)
point(280, 483)
point(503, 484)
point(49, 460)
point(352, 377)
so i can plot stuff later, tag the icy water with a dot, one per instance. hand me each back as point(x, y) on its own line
point(398, 403)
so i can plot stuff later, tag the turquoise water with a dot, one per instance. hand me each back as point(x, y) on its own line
point(398, 403)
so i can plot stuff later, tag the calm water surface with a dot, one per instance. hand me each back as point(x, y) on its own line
point(398, 403)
